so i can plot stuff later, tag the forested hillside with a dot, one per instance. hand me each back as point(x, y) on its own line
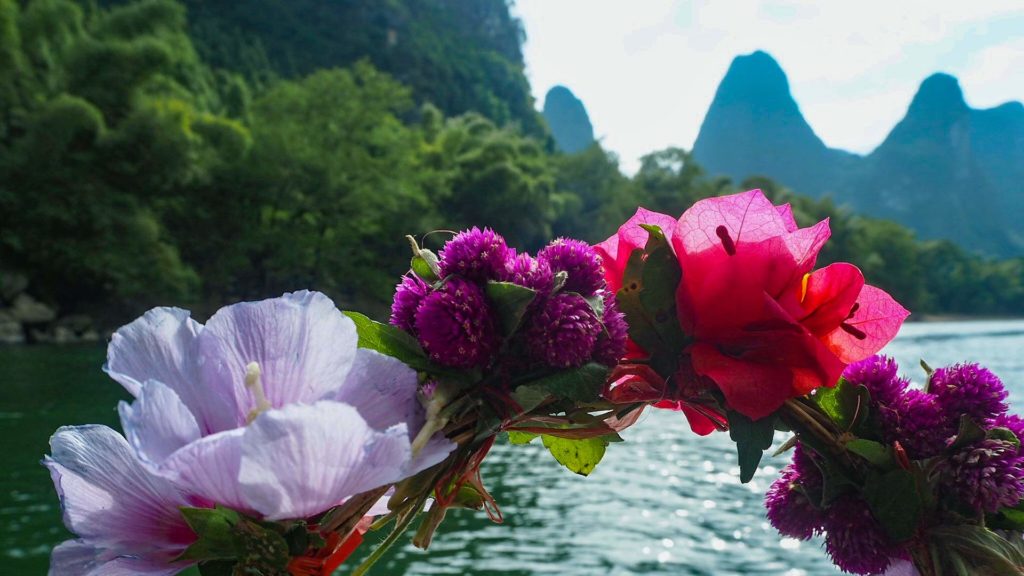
point(134, 173)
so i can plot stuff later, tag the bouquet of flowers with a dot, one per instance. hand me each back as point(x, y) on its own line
point(270, 439)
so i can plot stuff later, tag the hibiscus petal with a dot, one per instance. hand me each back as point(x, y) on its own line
point(699, 423)
point(79, 558)
point(383, 389)
point(210, 467)
point(108, 497)
point(752, 389)
point(828, 296)
point(162, 345)
point(303, 459)
point(157, 423)
point(286, 337)
point(874, 324)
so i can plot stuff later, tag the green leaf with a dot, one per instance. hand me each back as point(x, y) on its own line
point(1004, 434)
point(520, 437)
point(528, 397)
point(846, 403)
point(510, 301)
point(583, 384)
point(217, 568)
point(389, 340)
point(1008, 519)
point(894, 501)
point(874, 452)
point(580, 456)
point(215, 528)
point(752, 438)
point(968, 434)
point(422, 267)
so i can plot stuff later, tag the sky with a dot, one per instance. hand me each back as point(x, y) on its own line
point(647, 70)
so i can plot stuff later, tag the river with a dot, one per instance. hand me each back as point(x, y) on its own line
point(663, 502)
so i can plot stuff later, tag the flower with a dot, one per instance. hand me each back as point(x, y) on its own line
point(969, 389)
point(918, 422)
point(579, 261)
point(611, 343)
point(855, 541)
point(765, 326)
point(409, 293)
point(126, 518)
point(615, 251)
point(475, 254)
point(986, 476)
point(456, 326)
point(270, 408)
point(790, 510)
point(879, 375)
point(525, 270)
point(563, 332)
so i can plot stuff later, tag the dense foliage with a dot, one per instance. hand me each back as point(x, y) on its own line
point(132, 172)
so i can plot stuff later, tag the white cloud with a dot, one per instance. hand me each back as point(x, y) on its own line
point(647, 69)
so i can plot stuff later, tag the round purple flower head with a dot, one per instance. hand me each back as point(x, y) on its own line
point(455, 325)
point(919, 423)
point(475, 254)
point(525, 270)
point(855, 541)
point(790, 510)
point(409, 293)
point(969, 389)
point(563, 332)
point(577, 259)
point(987, 476)
point(878, 374)
point(611, 344)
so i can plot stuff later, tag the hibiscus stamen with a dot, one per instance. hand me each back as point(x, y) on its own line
point(255, 387)
point(853, 331)
point(727, 243)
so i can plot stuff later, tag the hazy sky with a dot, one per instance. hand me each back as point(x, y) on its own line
point(647, 69)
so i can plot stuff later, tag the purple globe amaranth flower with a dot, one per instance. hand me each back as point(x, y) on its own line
point(918, 422)
point(879, 375)
point(525, 270)
point(127, 518)
point(563, 332)
point(478, 255)
point(969, 389)
point(855, 541)
point(270, 408)
point(579, 261)
point(611, 343)
point(409, 293)
point(986, 476)
point(790, 510)
point(456, 326)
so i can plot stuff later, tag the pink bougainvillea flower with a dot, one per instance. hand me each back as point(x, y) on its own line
point(764, 325)
point(126, 518)
point(615, 251)
point(767, 327)
point(270, 408)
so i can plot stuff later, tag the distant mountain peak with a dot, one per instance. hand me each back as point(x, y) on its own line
point(939, 93)
point(567, 117)
point(756, 78)
point(754, 127)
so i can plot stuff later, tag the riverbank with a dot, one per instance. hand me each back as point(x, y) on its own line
point(26, 320)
